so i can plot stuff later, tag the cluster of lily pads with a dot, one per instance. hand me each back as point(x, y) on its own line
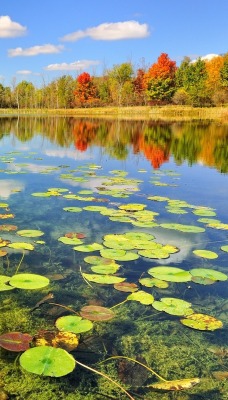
point(48, 353)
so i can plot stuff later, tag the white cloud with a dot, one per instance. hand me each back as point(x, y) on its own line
point(208, 57)
point(35, 50)
point(111, 31)
point(8, 187)
point(74, 66)
point(24, 72)
point(9, 28)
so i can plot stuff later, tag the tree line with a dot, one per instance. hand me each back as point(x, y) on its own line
point(199, 83)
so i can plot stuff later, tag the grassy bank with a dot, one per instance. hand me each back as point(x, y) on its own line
point(170, 112)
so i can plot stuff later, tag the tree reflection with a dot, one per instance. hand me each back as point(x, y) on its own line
point(157, 141)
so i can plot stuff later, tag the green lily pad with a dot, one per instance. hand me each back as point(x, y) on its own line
point(173, 306)
point(97, 313)
point(125, 245)
point(202, 322)
point(70, 241)
point(94, 208)
point(87, 248)
point(224, 248)
point(139, 235)
point(151, 282)
point(21, 246)
point(47, 361)
point(170, 274)
point(4, 283)
point(30, 233)
point(205, 254)
point(183, 228)
point(29, 281)
point(98, 260)
point(105, 268)
point(204, 212)
point(119, 255)
point(208, 274)
point(73, 323)
point(142, 297)
point(156, 253)
point(103, 279)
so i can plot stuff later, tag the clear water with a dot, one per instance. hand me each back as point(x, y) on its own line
point(179, 161)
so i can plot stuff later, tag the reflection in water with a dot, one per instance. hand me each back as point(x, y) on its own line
point(9, 186)
point(194, 142)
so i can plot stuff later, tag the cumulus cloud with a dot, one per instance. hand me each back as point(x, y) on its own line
point(8, 187)
point(9, 28)
point(111, 31)
point(35, 50)
point(208, 57)
point(74, 66)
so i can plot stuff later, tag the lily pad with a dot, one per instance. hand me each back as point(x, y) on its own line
point(205, 254)
point(126, 287)
point(3, 253)
point(15, 341)
point(4, 280)
point(132, 207)
point(142, 297)
point(202, 322)
point(70, 241)
point(87, 248)
point(47, 361)
point(170, 274)
point(65, 340)
point(103, 279)
point(180, 384)
point(21, 246)
point(97, 313)
point(208, 274)
point(30, 233)
point(173, 306)
point(151, 282)
point(29, 281)
point(73, 323)
point(105, 268)
point(98, 260)
point(224, 248)
point(139, 235)
point(183, 228)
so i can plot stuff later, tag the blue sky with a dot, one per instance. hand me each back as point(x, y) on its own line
point(40, 41)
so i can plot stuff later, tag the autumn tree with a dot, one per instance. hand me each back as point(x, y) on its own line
point(191, 78)
point(160, 79)
point(120, 83)
point(139, 84)
point(86, 91)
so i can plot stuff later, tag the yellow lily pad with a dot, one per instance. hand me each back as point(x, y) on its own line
point(202, 322)
point(179, 384)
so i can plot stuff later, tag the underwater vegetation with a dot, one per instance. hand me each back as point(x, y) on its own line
point(108, 292)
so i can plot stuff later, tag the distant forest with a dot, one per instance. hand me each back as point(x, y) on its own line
point(199, 83)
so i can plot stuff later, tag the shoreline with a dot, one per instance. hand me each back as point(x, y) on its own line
point(135, 112)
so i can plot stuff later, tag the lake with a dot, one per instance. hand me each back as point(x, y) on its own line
point(113, 259)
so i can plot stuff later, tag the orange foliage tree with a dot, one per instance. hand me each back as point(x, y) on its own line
point(86, 91)
point(160, 79)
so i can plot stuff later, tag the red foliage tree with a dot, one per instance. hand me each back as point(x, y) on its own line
point(86, 91)
point(164, 68)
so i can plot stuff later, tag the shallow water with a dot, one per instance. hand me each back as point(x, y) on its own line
point(49, 164)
